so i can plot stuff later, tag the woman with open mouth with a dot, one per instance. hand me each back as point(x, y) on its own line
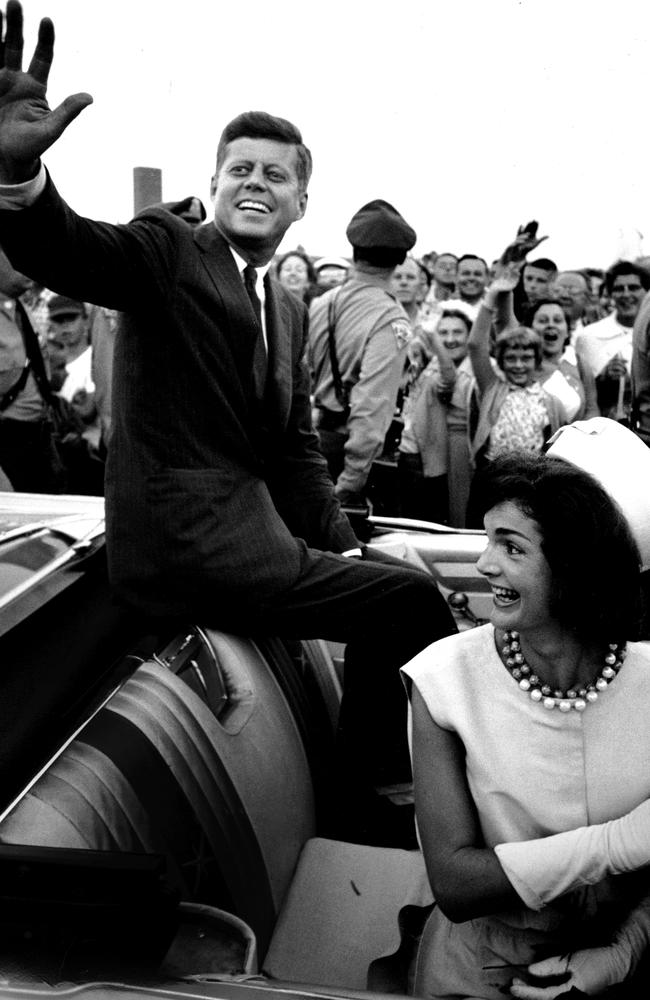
point(563, 373)
point(531, 753)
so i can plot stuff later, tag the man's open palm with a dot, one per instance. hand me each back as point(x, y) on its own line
point(27, 124)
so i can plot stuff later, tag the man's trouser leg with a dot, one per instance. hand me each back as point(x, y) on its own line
point(386, 611)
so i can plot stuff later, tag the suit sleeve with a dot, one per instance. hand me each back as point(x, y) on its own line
point(301, 486)
point(117, 266)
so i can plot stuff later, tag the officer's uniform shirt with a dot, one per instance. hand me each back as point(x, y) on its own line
point(372, 331)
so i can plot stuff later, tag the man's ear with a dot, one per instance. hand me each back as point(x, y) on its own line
point(302, 204)
point(213, 186)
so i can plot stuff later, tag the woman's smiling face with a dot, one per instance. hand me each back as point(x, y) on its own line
point(516, 569)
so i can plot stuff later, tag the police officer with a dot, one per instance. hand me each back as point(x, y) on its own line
point(358, 338)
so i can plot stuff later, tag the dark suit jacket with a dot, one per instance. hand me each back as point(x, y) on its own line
point(212, 498)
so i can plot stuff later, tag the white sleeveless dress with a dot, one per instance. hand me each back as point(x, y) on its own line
point(531, 772)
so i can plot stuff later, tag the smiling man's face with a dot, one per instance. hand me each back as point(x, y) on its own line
point(257, 196)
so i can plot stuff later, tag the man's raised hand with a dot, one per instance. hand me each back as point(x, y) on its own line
point(27, 124)
point(524, 242)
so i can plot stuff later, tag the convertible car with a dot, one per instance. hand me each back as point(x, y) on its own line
point(165, 797)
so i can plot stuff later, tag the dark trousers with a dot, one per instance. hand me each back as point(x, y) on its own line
point(29, 457)
point(423, 497)
point(385, 611)
point(332, 444)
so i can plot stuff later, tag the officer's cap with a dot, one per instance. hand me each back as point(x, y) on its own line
point(60, 305)
point(378, 224)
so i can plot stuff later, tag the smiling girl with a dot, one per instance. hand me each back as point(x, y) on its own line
point(514, 410)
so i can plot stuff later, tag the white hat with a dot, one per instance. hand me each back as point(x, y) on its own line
point(620, 461)
point(332, 262)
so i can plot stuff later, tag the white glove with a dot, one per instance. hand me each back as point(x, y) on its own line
point(543, 869)
point(592, 971)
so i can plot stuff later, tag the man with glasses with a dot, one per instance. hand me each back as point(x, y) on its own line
point(571, 289)
point(606, 346)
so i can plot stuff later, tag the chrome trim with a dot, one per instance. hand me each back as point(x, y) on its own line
point(78, 548)
point(411, 524)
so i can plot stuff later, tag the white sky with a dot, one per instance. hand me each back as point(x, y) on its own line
point(470, 116)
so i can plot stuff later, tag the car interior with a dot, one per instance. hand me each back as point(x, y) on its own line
point(167, 800)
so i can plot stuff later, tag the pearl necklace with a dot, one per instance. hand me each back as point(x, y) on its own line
point(576, 698)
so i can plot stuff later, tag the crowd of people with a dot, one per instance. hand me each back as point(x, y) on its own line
point(423, 369)
point(497, 357)
point(434, 387)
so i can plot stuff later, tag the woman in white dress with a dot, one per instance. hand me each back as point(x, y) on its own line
point(531, 752)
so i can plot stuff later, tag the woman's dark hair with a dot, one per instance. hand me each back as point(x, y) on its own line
point(311, 273)
point(457, 314)
point(532, 311)
point(593, 557)
point(519, 336)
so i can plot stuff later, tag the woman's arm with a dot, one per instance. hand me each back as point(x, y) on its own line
point(420, 348)
point(478, 346)
point(469, 879)
point(543, 869)
point(445, 379)
point(497, 306)
point(466, 877)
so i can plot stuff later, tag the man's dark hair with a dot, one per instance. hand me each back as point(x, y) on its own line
point(457, 314)
point(384, 257)
point(424, 271)
point(261, 125)
point(543, 263)
point(471, 256)
point(622, 267)
point(586, 539)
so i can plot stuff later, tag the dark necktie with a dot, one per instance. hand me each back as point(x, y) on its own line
point(260, 360)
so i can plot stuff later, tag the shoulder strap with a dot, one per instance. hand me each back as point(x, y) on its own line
point(33, 351)
point(340, 391)
point(16, 388)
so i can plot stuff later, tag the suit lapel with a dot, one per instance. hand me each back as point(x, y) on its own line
point(224, 274)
